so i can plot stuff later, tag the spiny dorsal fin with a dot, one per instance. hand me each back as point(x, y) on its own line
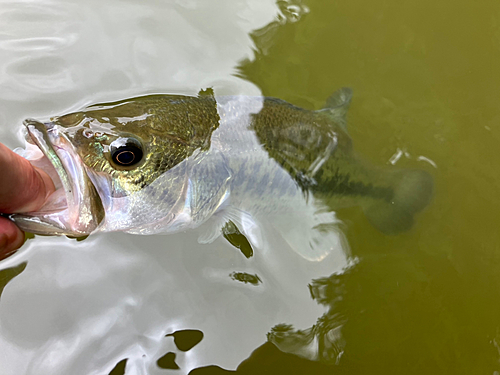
point(209, 91)
point(338, 103)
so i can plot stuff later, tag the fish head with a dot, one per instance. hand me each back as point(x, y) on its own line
point(117, 166)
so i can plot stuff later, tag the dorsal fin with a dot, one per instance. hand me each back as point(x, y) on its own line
point(337, 105)
point(209, 91)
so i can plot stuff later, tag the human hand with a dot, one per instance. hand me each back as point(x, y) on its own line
point(23, 188)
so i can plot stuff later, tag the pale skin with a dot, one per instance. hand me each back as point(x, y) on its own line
point(23, 188)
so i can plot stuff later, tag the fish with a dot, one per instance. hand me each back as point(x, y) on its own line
point(160, 164)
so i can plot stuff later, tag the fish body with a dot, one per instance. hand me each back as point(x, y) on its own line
point(168, 163)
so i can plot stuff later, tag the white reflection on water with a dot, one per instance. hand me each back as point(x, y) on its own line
point(80, 307)
point(93, 303)
point(78, 53)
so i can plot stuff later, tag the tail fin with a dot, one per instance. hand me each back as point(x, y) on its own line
point(412, 192)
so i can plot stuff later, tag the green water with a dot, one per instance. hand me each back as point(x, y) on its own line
point(425, 77)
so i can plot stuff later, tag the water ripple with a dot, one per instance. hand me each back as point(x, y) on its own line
point(38, 43)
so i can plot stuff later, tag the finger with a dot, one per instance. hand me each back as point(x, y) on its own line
point(11, 237)
point(23, 188)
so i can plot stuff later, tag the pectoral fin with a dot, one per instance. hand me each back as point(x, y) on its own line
point(310, 232)
point(312, 236)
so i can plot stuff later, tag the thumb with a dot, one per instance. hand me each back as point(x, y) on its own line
point(23, 187)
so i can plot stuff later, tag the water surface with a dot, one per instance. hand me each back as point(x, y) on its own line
point(425, 79)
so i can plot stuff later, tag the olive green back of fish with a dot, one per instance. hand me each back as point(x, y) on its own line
point(315, 148)
point(312, 146)
point(169, 127)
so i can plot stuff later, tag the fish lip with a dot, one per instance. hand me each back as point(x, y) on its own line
point(38, 134)
point(84, 207)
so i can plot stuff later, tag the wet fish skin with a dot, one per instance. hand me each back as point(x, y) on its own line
point(170, 127)
point(389, 196)
point(238, 159)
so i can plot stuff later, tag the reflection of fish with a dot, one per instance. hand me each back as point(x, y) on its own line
point(324, 340)
point(166, 163)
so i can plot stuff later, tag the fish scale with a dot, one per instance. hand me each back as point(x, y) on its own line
point(210, 160)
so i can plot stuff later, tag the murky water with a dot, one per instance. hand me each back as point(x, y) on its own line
point(425, 79)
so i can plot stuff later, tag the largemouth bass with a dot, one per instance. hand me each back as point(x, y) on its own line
point(168, 163)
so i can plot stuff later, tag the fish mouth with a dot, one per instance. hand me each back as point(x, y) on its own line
point(75, 208)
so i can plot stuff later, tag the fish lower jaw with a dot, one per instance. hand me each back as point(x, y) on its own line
point(55, 223)
point(74, 208)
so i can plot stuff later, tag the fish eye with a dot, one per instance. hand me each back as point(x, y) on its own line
point(126, 152)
